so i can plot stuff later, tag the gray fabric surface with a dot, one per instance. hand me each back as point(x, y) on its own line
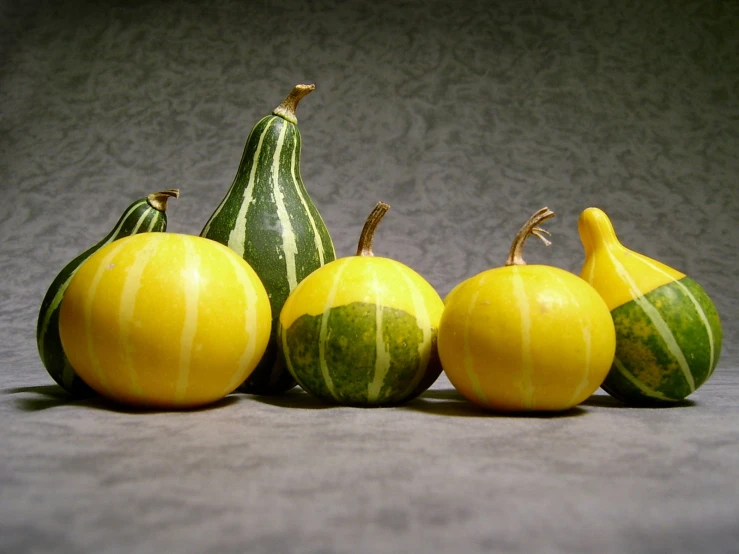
point(466, 118)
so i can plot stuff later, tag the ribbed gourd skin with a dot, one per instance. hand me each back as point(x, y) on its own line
point(668, 331)
point(268, 218)
point(140, 217)
point(164, 321)
point(361, 331)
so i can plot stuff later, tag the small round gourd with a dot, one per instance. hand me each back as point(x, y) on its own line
point(524, 338)
point(164, 320)
point(361, 330)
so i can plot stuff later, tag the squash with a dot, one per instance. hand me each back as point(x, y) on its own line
point(526, 338)
point(668, 332)
point(164, 321)
point(361, 330)
point(268, 218)
point(145, 215)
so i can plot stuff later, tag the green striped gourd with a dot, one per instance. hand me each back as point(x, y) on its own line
point(145, 215)
point(668, 332)
point(268, 218)
point(361, 330)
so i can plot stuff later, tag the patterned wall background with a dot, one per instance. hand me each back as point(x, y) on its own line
point(466, 117)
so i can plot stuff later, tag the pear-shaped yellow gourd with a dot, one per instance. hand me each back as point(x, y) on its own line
point(361, 330)
point(526, 337)
point(668, 333)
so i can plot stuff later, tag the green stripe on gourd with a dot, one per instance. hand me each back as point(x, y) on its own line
point(347, 370)
point(145, 215)
point(268, 218)
point(667, 344)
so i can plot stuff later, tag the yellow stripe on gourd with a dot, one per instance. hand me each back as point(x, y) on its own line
point(250, 327)
point(655, 317)
point(425, 324)
point(237, 236)
point(57, 300)
point(129, 291)
point(190, 326)
point(699, 310)
point(289, 245)
point(469, 360)
point(90, 340)
point(382, 354)
point(639, 384)
point(317, 240)
point(355, 271)
point(328, 304)
point(527, 362)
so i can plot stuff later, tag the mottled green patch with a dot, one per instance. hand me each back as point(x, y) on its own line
point(649, 372)
point(350, 353)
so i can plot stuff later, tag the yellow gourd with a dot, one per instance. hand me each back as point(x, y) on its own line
point(163, 320)
point(526, 337)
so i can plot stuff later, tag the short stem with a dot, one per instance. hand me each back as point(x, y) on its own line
point(368, 231)
point(158, 200)
point(515, 255)
point(290, 104)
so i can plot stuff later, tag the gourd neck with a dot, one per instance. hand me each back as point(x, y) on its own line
point(596, 231)
point(364, 248)
point(289, 105)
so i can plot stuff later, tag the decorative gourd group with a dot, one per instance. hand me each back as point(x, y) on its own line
point(259, 302)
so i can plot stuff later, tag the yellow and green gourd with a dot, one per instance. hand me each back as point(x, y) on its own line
point(361, 330)
point(145, 215)
point(268, 218)
point(668, 332)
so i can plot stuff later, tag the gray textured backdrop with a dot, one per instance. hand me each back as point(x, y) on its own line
point(466, 118)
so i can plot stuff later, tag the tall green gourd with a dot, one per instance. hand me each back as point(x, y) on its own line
point(268, 218)
point(145, 215)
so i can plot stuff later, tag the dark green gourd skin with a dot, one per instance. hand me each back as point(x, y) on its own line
point(268, 218)
point(140, 217)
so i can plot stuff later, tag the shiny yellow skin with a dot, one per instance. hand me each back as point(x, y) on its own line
point(164, 320)
point(617, 273)
point(526, 338)
point(369, 279)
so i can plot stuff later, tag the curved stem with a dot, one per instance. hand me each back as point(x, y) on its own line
point(515, 255)
point(368, 231)
point(158, 200)
point(290, 104)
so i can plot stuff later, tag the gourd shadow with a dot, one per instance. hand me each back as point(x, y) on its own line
point(54, 396)
point(295, 398)
point(607, 401)
point(449, 402)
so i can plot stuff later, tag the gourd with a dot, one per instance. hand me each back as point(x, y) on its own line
point(526, 338)
point(361, 330)
point(668, 332)
point(145, 215)
point(164, 321)
point(268, 218)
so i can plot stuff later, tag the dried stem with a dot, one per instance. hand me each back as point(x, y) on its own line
point(290, 104)
point(368, 231)
point(158, 200)
point(515, 255)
